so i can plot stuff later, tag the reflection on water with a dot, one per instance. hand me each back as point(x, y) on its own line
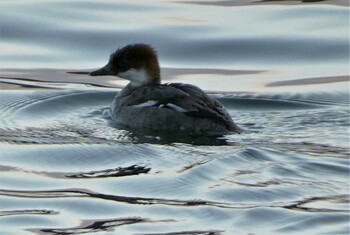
point(65, 168)
point(285, 163)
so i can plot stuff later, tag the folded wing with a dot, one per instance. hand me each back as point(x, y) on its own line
point(184, 98)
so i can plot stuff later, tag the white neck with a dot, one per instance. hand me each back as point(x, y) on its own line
point(137, 77)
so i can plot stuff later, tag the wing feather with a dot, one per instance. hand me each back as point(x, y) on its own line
point(186, 98)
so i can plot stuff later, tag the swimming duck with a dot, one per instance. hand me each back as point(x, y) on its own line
point(146, 105)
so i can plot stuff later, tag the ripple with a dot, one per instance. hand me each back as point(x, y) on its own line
point(66, 169)
point(96, 226)
point(125, 171)
point(27, 212)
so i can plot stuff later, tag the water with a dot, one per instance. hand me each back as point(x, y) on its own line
point(281, 70)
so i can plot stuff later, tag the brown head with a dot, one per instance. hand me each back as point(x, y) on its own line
point(137, 63)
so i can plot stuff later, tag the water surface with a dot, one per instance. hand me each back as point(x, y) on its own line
point(280, 69)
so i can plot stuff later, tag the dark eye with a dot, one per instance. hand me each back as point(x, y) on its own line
point(123, 64)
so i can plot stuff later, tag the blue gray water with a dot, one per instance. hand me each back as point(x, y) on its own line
point(280, 69)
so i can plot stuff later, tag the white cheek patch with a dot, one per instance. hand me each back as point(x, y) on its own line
point(137, 76)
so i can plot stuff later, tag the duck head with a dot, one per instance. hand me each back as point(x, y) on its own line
point(137, 63)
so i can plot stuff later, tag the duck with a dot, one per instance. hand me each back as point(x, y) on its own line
point(146, 105)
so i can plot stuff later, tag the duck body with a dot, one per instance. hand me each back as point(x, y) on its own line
point(145, 105)
point(171, 108)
